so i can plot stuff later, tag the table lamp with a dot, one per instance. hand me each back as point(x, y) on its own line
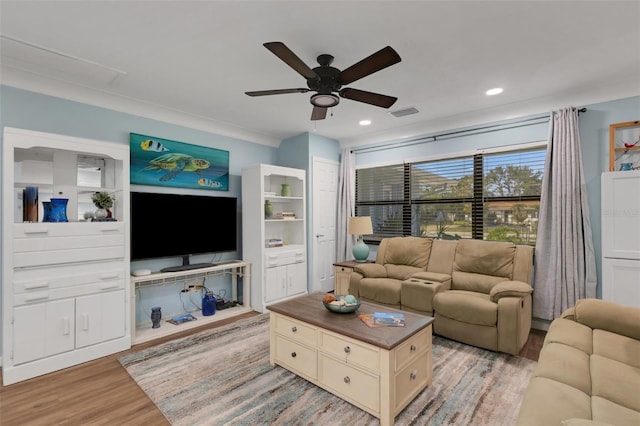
point(360, 225)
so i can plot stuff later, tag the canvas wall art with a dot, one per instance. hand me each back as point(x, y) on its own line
point(163, 162)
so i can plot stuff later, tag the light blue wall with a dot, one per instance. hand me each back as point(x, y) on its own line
point(594, 136)
point(33, 111)
point(298, 152)
point(533, 131)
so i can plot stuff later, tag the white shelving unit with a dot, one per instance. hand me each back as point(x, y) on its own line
point(65, 284)
point(237, 269)
point(279, 272)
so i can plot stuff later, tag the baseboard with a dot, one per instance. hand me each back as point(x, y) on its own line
point(540, 324)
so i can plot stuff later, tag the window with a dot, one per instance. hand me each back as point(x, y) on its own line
point(492, 196)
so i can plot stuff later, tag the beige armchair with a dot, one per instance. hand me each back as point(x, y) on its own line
point(489, 301)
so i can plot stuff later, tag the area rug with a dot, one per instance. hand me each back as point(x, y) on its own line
point(223, 376)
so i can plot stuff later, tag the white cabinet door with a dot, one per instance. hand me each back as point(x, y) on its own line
point(43, 330)
point(296, 278)
point(99, 317)
point(275, 283)
point(621, 281)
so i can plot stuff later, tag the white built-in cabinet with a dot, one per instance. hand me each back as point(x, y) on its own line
point(275, 246)
point(621, 237)
point(65, 285)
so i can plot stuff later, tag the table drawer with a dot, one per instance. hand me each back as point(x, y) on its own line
point(296, 357)
point(350, 382)
point(296, 330)
point(408, 350)
point(350, 351)
point(411, 379)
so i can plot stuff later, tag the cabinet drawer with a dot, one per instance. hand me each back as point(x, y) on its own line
point(279, 258)
point(412, 379)
point(74, 255)
point(408, 350)
point(296, 357)
point(349, 382)
point(44, 295)
point(67, 276)
point(350, 351)
point(68, 229)
point(295, 330)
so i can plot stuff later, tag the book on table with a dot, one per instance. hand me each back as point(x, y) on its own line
point(389, 319)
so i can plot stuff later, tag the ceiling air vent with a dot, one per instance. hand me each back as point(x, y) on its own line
point(403, 112)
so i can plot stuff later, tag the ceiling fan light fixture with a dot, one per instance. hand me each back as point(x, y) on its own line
point(324, 100)
point(494, 91)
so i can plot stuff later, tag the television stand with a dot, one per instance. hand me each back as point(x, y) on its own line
point(187, 267)
point(144, 332)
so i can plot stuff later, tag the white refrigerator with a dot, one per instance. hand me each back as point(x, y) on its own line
point(621, 237)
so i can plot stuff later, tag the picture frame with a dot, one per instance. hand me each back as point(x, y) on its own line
point(624, 146)
point(163, 162)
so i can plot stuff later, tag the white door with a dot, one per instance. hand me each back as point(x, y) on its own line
point(325, 202)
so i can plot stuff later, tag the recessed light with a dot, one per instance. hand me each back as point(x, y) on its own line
point(494, 91)
point(365, 122)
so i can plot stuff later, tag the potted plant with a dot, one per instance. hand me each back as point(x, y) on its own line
point(103, 201)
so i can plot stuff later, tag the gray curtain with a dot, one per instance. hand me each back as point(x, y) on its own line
point(565, 259)
point(346, 205)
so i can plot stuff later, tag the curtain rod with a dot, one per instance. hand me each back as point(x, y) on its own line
point(473, 131)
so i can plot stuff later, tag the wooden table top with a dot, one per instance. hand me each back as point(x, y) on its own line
point(309, 309)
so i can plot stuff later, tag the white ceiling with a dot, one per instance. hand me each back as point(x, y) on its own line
point(190, 62)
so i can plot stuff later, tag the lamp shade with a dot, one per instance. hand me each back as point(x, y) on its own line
point(360, 225)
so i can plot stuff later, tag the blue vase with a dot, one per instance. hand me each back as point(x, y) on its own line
point(208, 304)
point(59, 210)
point(156, 316)
point(46, 216)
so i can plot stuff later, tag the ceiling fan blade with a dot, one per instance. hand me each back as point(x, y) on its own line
point(276, 92)
point(382, 59)
point(283, 52)
point(318, 113)
point(376, 99)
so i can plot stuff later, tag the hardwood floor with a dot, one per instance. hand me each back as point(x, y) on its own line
point(101, 392)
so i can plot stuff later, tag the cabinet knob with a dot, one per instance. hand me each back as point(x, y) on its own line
point(413, 375)
point(347, 349)
point(413, 348)
point(293, 355)
point(294, 329)
point(347, 379)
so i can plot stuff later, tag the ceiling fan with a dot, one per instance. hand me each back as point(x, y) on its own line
point(327, 81)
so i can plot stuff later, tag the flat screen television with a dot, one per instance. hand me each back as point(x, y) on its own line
point(174, 225)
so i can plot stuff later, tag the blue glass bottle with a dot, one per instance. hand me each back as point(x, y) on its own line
point(208, 304)
point(46, 216)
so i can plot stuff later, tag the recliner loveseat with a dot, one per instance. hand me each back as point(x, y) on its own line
point(479, 292)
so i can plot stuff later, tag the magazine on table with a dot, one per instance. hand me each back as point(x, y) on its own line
point(383, 319)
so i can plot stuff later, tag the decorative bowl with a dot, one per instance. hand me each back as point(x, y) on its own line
point(341, 307)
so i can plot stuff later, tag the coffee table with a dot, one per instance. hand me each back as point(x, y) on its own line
point(380, 370)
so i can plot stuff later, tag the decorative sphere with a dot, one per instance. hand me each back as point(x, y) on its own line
point(350, 299)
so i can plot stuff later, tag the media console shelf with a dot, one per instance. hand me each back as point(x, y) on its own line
point(237, 269)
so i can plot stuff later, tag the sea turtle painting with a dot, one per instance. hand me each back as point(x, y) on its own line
point(175, 163)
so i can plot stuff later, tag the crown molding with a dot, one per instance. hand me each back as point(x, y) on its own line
point(78, 93)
